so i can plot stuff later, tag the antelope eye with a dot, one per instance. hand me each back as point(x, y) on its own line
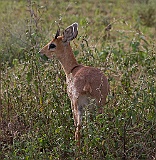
point(51, 46)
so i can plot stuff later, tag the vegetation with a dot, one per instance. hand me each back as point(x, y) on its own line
point(35, 115)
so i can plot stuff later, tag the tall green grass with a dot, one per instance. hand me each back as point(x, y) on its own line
point(35, 115)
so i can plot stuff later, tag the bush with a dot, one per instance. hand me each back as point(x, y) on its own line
point(35, 115)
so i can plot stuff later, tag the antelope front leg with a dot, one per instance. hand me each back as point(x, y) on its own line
point(77, 114)
point(78, 127)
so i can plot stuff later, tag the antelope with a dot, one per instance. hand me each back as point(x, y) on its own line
point(83, 82)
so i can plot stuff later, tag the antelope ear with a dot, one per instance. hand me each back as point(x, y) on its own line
point(70, 32)
point(57, 33)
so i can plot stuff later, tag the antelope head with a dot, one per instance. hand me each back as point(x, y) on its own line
point(57, 45)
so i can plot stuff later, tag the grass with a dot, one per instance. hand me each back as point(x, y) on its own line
point(35, 115)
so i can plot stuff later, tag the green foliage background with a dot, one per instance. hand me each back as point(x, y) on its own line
point(35, 115)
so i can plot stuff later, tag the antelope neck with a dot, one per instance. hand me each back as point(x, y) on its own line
point(68, 60)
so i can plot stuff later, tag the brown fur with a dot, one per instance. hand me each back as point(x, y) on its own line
point(83, 82)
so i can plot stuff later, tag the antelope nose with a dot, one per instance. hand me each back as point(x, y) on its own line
point(40, 52)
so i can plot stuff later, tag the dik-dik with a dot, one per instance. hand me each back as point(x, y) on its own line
point(83, 82)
